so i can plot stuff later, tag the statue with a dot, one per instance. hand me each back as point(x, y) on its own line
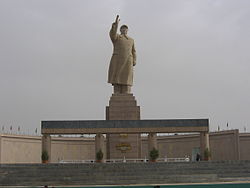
point(120, 73)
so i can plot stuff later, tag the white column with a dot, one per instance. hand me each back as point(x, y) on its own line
point(46, 145)
point(99, 143)
point(204, 144)
point(152, 141)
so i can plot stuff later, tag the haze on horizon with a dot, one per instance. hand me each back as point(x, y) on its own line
point(193, 60)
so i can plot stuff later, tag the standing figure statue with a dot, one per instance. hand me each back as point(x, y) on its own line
point(120, 73)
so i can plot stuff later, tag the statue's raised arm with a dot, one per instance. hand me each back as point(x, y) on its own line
point(113, 30)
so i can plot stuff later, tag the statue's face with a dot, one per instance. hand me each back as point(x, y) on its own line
point(124, 30)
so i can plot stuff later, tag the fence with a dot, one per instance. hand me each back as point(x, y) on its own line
point(185, 159)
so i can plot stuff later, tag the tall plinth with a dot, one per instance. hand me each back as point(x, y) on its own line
point(123, 107)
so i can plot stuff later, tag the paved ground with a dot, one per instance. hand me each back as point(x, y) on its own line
point(215, 185)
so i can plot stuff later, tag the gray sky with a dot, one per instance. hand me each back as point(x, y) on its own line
point(193, 59)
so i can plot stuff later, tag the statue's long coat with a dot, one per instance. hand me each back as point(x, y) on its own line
point(123, 58)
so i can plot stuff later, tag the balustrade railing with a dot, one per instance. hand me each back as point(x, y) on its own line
point(124, 160)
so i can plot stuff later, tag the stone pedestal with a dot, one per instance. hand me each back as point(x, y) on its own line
point(123, 107)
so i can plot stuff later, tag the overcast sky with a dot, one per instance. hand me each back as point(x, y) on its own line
point(193, 60)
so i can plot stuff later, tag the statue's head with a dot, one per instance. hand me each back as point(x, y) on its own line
point(124, 29)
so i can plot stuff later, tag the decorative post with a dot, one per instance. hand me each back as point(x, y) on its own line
point(46, 145)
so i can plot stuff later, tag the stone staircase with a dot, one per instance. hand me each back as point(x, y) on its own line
point(123, 173)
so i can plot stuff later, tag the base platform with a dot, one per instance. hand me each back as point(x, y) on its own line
point(123, 173)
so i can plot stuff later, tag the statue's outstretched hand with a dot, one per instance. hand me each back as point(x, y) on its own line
point(117, 19)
